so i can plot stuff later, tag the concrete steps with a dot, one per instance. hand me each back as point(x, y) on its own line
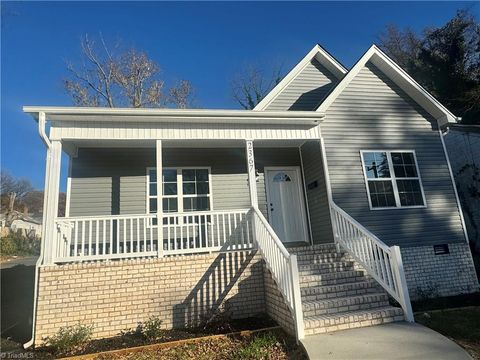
point(336, 295)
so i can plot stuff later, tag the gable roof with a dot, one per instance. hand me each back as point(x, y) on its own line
point(318, 53)
point(399, 77)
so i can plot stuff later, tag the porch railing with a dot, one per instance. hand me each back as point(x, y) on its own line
point(282, 265)
point(127, 236)
point(382, 262)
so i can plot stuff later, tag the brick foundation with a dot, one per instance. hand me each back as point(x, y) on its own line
point(116, 295)
point(275, 305)
point(430, 275)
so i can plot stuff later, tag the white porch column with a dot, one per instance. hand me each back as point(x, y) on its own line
point(252, 177)
point(159, 168)
point(52, 189)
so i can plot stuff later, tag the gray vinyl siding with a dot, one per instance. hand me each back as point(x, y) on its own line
point(317, 197)
point(307, 90)
point(113, 181)
point(373, 113)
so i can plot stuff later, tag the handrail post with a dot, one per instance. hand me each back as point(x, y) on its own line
point(253, 222)
point(159, 170)
point(402, 284)
point(296, 297)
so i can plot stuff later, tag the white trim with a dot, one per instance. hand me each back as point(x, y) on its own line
point(159, 169)
point(69, 188)
point(305, 194)
point(300, 195)
point(462, 219)
point(393, 178)
point(317, 52)
point(180, 196)
point(400, 77)
point(86, 114)
point(251, 171)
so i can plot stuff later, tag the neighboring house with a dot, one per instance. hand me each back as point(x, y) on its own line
point(29, 226)
point(333, 194)
point(463, 144)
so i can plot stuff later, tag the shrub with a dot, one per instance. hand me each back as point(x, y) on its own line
point(70, 338)
point(258, 348)
point(15, 243)
point(8, 246)
point(151, 329)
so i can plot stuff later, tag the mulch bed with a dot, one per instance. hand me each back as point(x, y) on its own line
point(130, 339)
point(274, 345)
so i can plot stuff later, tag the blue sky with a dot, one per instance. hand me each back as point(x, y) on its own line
point(203, 42)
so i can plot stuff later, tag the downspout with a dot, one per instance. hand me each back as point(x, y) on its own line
point(46, 141)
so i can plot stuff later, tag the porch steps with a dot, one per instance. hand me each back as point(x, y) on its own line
point(313, 269)
point(337, 295)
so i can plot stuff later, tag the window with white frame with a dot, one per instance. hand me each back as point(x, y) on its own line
point(392, 179)
point(184, 189)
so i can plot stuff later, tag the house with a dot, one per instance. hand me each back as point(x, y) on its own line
point(332, 197)
point(463, 145)
point(28, 225)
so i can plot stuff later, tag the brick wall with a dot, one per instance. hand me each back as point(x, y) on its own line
point(275, 305)
point(439, 275)
point(116, 295)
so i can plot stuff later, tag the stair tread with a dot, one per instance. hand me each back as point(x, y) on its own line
point(352, 297)
point(356, 284)
point(333, 274)
point(388, 309)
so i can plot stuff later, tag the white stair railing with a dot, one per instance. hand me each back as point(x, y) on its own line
point(282, 265)
point(382, 262)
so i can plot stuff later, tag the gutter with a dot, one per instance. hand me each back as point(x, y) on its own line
point(46, 140)
point(177, 115)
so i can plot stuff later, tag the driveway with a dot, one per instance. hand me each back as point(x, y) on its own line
point(17, 281)
point(392, 341)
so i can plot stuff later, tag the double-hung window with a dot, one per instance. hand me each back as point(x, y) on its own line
point(392, 179)
point(184, 190)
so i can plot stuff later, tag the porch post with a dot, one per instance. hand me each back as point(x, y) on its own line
point(159, 169)
point(252, 177)
point(52, 188)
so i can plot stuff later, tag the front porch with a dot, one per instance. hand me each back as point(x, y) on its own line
point(204, 196)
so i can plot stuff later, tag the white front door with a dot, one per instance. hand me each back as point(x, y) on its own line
point(286, 208)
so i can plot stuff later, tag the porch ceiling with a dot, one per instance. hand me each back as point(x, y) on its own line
point(195, 143)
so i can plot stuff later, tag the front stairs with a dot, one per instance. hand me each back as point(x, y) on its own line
point(337, 294)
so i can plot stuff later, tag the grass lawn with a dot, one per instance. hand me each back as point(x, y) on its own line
point(460, 325)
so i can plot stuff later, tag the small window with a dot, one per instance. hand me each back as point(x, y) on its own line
point(392, 179)
point(183, 189)
point(281, 177)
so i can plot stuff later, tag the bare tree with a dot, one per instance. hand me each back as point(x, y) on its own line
point(251, 85)
point(402, 45)
point(117, 77)
point(181, 95)
point(13, 190)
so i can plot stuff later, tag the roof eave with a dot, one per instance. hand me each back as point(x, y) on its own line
point(177, 115)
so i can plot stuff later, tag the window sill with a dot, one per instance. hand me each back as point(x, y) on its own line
point(399, 207)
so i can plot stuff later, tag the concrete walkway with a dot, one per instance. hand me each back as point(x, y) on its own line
point(392, 341)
